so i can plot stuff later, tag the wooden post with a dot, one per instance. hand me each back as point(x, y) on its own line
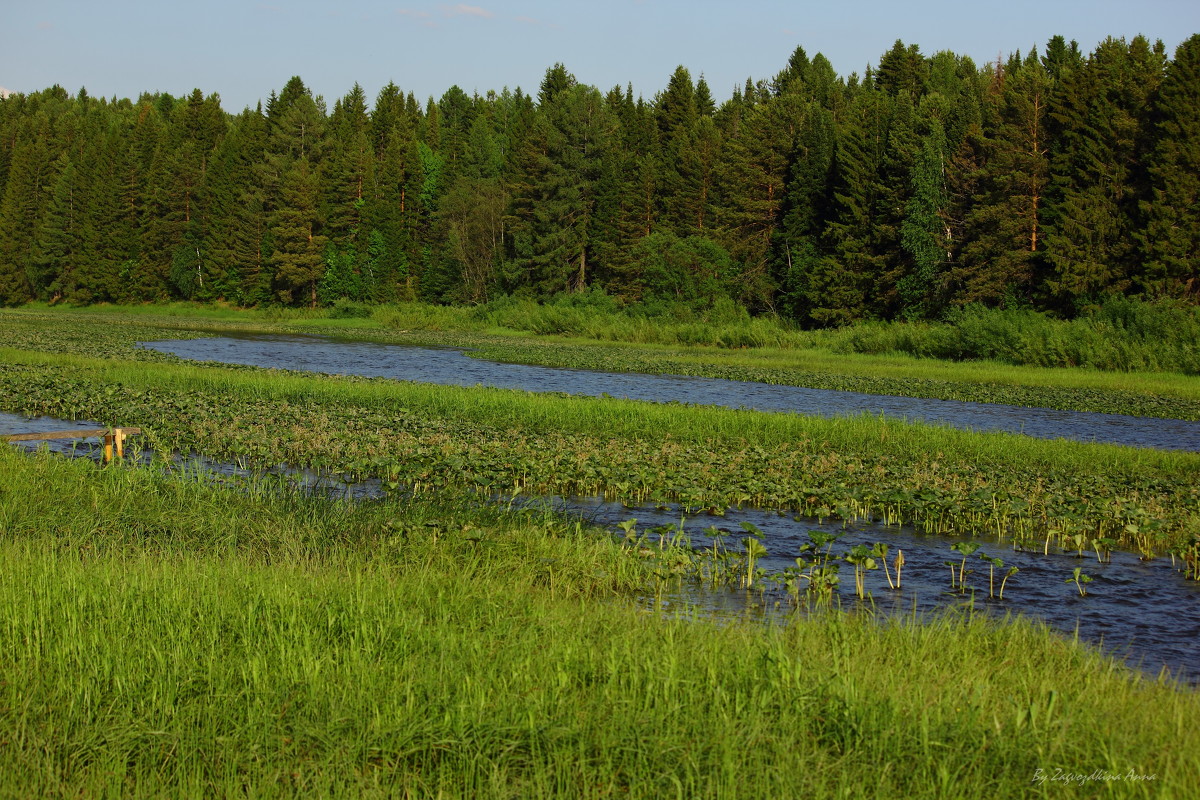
point(114, 445)
point(114, 440)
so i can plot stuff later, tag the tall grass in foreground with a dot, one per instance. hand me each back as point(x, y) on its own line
point(168, 638)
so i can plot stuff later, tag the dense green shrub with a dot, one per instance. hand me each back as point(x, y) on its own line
point(1122, 335)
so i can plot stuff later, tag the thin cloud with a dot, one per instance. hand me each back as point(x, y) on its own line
point(422, 16)
point(45, 26)
point(537, 23)
point(464, 10)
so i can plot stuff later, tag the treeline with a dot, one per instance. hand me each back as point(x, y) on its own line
point(1050, 181)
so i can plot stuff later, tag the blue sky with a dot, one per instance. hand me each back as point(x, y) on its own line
point(244, 49)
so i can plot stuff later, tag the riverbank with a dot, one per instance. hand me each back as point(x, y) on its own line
point(177, 638)
point(814, 360)
point(427, 437)
point(173, 637)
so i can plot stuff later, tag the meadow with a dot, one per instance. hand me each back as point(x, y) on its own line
point(167, 637)
point(170, 636)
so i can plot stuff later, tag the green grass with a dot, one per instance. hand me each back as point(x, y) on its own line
point(805, 360)
point(427, 438)
point(163, 637)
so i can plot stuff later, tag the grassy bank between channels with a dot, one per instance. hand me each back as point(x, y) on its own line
point(169, 637)
point(813, 360)
point(426, 438)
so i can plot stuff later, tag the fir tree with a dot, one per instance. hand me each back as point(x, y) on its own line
point(1101, 111)
point(1170, 241)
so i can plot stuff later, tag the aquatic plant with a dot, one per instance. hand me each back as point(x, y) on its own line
point(1103, 546)
point(816, 567)
point(754, 549)
point(419, 439)
point(1079, 579)
point(880, 550)
point(1011, 571)
point(860, 557)
point(992, 562)
point(1188, 555)
point(965, 549)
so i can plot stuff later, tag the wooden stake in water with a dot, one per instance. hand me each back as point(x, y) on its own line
point(114, 440)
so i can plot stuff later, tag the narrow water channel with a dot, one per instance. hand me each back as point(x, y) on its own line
point(1143, 612)
point(451, 367)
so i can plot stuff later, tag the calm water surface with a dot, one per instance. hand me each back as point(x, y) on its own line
point(452, 367)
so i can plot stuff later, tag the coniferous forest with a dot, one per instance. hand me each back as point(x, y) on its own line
point(1052, 180)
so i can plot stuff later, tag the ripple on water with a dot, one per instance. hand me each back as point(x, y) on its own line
point(450, 366)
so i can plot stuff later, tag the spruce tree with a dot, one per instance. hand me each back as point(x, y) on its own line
point(923, 233)
point(295, 155)
point(31, 177)
point(755, 169)
point(839, 284)
point(1170, 241)
point(238, 232)
point(1101, 113)
point(299, 249)
point(1003, 230)
point(559, 177)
